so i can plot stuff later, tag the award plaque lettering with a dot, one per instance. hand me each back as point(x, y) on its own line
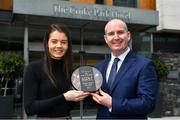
point(86, 78)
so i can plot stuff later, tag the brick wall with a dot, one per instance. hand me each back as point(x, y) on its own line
point(170, 87)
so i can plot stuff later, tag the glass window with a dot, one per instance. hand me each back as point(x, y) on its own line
point(141, 43)
point(166, 43)
point(125, 3)
point(99, 1)
point(35, 55)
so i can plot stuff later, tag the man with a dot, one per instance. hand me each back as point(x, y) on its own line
point(132, 92)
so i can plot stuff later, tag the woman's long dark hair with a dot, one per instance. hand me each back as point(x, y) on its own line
point(67, 58)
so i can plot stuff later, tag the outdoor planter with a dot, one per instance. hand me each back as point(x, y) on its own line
point(11, 69)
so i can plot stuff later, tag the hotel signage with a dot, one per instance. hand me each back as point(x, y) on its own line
point(92, 12)
point(66, 9)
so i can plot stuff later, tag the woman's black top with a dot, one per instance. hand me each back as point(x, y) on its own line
point(41, 98)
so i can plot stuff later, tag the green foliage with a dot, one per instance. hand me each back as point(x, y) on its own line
point(161, 67)
point(11, 64)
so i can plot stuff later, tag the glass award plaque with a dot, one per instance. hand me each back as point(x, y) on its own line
point(87, 79)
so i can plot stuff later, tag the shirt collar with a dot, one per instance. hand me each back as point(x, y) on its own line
point(122, 56)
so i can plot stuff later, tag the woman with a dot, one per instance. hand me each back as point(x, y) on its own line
point(46, 82)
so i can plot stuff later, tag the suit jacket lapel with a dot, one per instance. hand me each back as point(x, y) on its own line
point(128, 61)
point(103, 70)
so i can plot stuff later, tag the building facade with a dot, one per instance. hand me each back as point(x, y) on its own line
point(23, 23)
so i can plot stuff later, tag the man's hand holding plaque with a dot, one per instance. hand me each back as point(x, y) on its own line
point(87, 79)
